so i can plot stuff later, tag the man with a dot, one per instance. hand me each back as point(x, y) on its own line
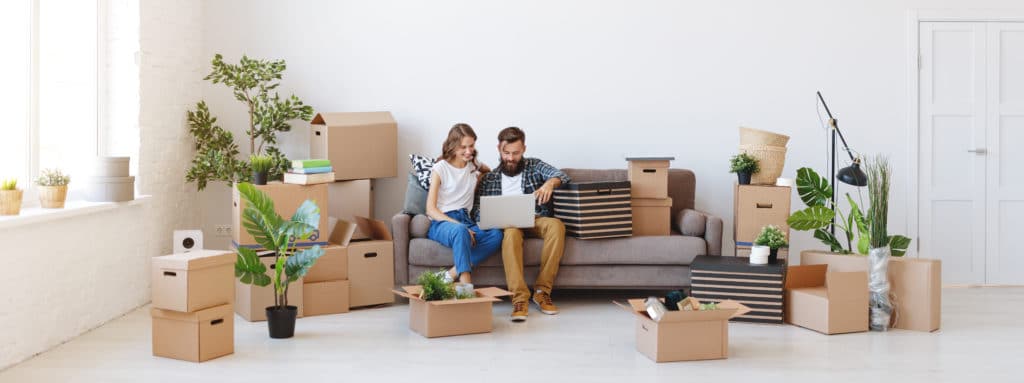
point(519, 175)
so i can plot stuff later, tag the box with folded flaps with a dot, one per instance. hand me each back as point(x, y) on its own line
point(452, 316)
point(684, 335)
point(251, 301)
point(193, 281)
point(196, 336)
point(332, 266)
point(829, 302)
point(371, 265)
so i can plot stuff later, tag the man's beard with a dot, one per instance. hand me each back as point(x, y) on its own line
point(512, 170)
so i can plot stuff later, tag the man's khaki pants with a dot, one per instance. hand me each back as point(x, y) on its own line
point(552, 231)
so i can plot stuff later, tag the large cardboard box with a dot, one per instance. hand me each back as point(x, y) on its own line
point(827, 302)
point(350, 199)
point(684, 335)
point(197, 336)
point(371, 266)
point(916, 286)
point(251, 301)
point(193, 281)
point(360, 145)
point(451, 317)
point(287, 199)
point(332, 266)
point(715, 278)
point(757, 206)
point(595, 209)
point(652, 216)
point(648, 176)
point(325, 298)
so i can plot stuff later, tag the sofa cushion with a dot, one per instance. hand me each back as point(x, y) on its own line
point(692, 223)
point(419, 226)
point(652, 250)
point(415, 197)
point(421, 167)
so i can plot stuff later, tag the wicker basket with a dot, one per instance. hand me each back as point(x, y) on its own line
point(771, 160)
point(10, 202)
point(751, 136)
point(53, 197)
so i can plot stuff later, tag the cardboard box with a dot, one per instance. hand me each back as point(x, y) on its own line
point(648, 177)
point(652, 216)
point(451, 317)
point(193, 281)
point(684, 335)
point(371, 266)
point(332, 266)
point(350, 199)
point(595, 209)
point(360, 145)
point(287, 199)
point(197, 336)
point(251, 301)
point(757, 206)
point(827, 302)
point(916, 286)
point(325, 298)
point(759, 287)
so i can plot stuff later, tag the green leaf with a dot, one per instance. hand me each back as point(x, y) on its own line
point(298, 265)
point(814, 217)
point(259, 217)
point(863, 232)
point(899, 245)
point(829, 239)
point(248, 268)
point(813, 189)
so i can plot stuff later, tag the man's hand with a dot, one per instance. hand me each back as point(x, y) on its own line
point(543, 194)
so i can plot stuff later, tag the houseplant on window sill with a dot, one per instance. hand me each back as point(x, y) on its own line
point(279, 235)
point(53, 188)
point(745, 166)
point(10, 197)
point(774, 239)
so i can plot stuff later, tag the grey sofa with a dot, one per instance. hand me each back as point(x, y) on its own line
point(655, 262)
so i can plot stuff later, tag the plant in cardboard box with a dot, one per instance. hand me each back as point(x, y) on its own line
point(261, 165)
point(252, 82)
point(53, 188)
point(435, 288)
point(744, 165)
point(774, 239)
point(10, 197)
point(879, 173)
point(277, 234)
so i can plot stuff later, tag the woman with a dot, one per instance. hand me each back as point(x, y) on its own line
point(453, 183)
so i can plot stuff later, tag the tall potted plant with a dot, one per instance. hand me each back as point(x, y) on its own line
point(744, 165)
point(10, 197)
point(774, 239)
point(879, 172)
point(53, 188)
point(279, 235)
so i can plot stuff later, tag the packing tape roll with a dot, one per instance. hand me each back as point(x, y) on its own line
point(784, 182)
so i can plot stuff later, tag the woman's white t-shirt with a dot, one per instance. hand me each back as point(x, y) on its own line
point(457, 186)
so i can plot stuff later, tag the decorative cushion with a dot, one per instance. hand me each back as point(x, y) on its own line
point(419, 226)
point(415, 197)
point(421, 167)
point(691, 223)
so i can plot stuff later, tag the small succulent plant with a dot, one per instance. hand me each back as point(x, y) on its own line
point(53, 177)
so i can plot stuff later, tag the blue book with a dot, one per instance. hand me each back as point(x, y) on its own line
point(323, 169)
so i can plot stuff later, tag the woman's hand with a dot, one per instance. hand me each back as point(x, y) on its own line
point(472, 237)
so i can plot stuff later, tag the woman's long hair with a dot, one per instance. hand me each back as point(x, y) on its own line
point(454, 140)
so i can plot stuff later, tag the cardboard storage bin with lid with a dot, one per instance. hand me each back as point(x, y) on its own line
point(453, 316)
point(360, 145)
point(684, 335)
point(371, 265)
point(594, 209)
point(251, 301)
point(829, 302)
point(287, 199)
point(193, 281)
point(757, 206)
point(648, 176)
point(652, 216)
point(348, 200)
point(916, 286)
point(196, 336)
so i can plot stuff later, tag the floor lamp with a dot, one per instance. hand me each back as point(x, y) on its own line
point(851, 175)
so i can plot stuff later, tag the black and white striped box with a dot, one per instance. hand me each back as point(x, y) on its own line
point(759, 287)
point(595, 209)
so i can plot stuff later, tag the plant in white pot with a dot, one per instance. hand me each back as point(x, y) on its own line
point(10, 197)
point(879, 172)
point(53, 188)
point(772, 238)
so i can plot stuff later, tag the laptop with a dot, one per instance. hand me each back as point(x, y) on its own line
point(501, 212)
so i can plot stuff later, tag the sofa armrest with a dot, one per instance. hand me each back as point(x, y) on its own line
point(699, 224)
point(400, 234)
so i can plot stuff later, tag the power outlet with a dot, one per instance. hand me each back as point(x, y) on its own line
point(223, 230)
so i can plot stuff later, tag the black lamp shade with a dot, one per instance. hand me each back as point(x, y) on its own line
point(852, 175)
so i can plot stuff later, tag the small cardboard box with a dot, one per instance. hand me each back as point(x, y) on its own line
point(197, 336)
point(360, 145)
point(684, 335)
point(371, 265)
point(595, 209)
point(325, 298)
point(451, 317)
point(916, 286)
point(652, 216)
point(287, 199)
point(193, 281)
point(251, 301)
point(332, 266)
point(827, 302)
point(757, 206)
point(648, 176)
point(350, 199)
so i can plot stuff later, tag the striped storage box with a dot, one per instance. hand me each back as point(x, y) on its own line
point(595, 209)
point(717, 278)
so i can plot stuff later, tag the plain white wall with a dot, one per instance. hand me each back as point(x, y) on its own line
point(591, 81)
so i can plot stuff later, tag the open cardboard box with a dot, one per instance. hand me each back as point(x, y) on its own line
point(371, 265)
point(453, 316)
point(684, 335)
point(829, 302)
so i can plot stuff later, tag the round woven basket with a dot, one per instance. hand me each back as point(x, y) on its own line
point(53, 197)
point(10, 202)
point(771, 160)
point(751, 136)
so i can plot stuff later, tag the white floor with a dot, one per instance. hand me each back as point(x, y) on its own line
point(982, 339)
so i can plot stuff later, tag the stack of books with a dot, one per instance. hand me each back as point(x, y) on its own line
point(309, 172)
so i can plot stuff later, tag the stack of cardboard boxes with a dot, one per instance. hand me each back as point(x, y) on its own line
point(192, 313)
point(757, 206)
point(652, 208)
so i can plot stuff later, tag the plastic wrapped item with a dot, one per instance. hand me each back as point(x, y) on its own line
point(655, 308)
point(878, 287)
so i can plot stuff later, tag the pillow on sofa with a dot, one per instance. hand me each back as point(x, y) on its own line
point(419, 226)
point(415, 197)
point(421, 167)
point(691, 223)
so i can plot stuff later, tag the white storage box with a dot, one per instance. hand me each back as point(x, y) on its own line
point(110, 167)
point(110, 189)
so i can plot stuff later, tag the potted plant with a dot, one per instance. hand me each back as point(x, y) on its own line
point(744, 165)
point(53, 188)
point(10, 197)
point(279, 235)
point(879, 172)
point(261, 165)
point(774, 239)
point(252, 82)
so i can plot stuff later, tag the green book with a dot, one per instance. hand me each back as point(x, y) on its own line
point(302, 164)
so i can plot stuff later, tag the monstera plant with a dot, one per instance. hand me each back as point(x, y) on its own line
point(816, 192)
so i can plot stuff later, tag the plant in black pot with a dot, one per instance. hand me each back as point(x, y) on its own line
point(279, 235)
point(744, 165)
point(774, 239)
point(261, 165)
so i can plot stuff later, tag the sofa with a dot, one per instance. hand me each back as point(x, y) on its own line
point(635, 263)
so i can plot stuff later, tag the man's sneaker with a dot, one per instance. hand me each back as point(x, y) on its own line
point(446, 276)
point(520, 310)
point(543, 301)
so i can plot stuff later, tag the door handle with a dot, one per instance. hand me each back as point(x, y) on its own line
point(977, 151)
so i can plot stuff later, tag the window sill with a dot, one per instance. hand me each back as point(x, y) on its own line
point(35, 215)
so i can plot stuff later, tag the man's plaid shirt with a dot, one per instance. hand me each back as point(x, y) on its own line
point(535, 174)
